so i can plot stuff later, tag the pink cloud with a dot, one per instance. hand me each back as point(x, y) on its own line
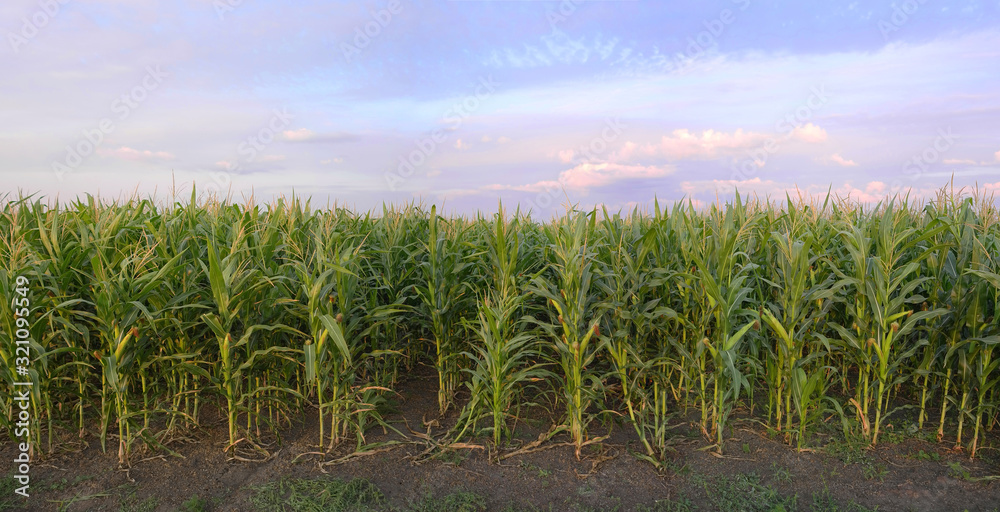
point(127, 153)
point(958, 161)
point(871, 192)
point(728, 186)
point(298, 135)
point(683, 145)
point(566, 156)
point(586, 176)
point(627, 151)
point(997, 156)
point(809, 133)
point(839, 160)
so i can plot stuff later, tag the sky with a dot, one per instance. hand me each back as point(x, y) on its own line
point(463, 103)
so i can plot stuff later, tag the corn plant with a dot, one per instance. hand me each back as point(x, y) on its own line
point(883, 260)
point(724, 268)
point(19, 321)
point(574, 319)
point(394, 242)
point(633, 311)
point(501, 358)
point(125, 274)
point(142, 313)
point(501, 366)
point(235, 288)
point(984, 362)
point(444, 293)
point(793, 314)
point(964, 296)
point(807, 397)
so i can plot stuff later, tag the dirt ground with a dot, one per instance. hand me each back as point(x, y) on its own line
point(905, 473)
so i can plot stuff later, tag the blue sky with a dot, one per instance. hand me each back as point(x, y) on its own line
point(609, 102)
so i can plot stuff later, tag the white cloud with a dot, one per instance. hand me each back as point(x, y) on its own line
point(809, 133)
point(127, 153)
point(588, 175)
point(839, 160)
point(554, 48)
point(302, 134)
point(685, 145)
point(871, 192)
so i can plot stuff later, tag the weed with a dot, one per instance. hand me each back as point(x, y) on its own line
point(195, 504)
point(293, 495)
point(922, 455)
point(746, 493)
point(459, 501)
point(781, 474)
point(874, 471)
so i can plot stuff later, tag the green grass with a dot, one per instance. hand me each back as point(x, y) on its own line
point(315, 495)
point(850, 450)
point(873, 471)
point(681, 504)
point(824, 502)
point(196, 504)
point(922, 455)
point(746, 493)
point(9, 500)
point(129, 502)
point(739, 493)
point(781, 474)
point(458, 501)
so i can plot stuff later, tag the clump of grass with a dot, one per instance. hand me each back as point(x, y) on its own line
point(196, 504)
point(745, 492)
point(459, 501)
point(308, 495)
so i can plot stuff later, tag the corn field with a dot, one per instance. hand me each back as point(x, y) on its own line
point(805, 315)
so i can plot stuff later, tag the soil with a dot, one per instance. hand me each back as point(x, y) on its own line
point(905, 473)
